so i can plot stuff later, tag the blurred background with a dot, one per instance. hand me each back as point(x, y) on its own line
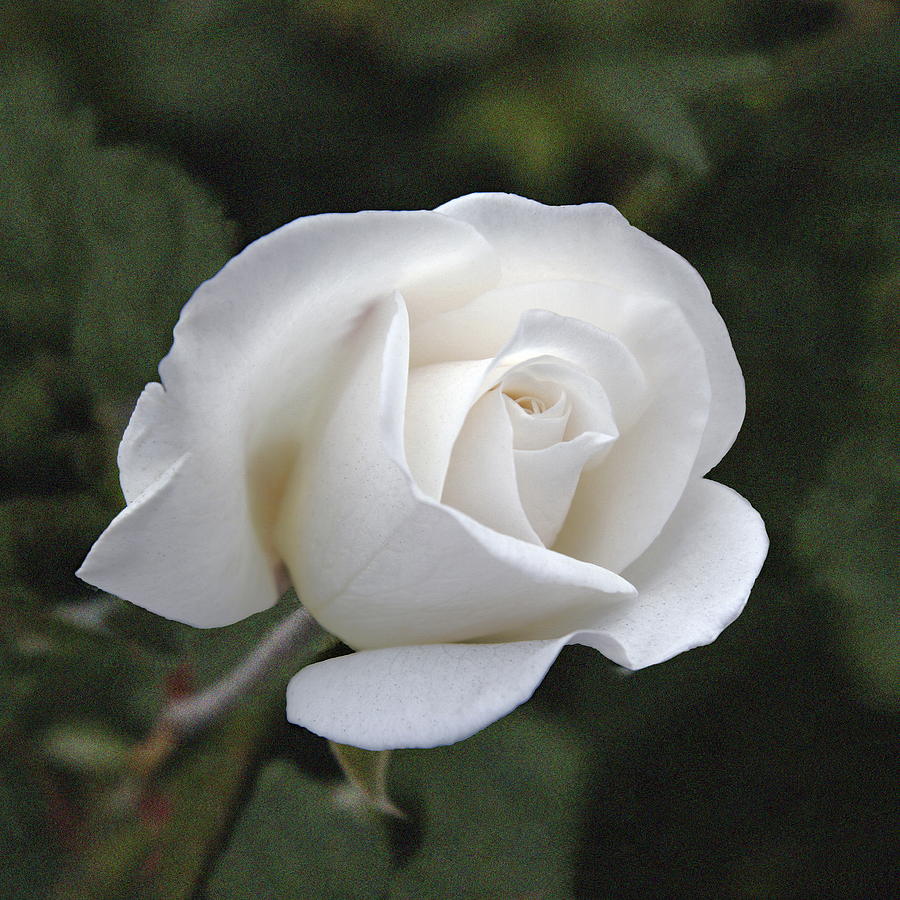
point(144, 143)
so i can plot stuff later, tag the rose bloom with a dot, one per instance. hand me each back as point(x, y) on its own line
point(467, 437)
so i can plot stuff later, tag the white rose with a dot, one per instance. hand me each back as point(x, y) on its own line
point(468, 437)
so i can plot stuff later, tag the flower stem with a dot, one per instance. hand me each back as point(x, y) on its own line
point(191, 714)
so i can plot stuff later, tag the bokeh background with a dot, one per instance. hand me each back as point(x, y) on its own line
point(143, 143)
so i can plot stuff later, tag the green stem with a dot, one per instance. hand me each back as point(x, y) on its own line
point(188, 716)
point(180, 796)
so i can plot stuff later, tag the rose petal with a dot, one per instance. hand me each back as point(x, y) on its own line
point(256, 353)
point(594, 242)
point(409, 570)
point(692, 583)
point(142, 555)
point(535, 430)
point(579, 324)
point(695, 581)
point(481, 479)
point(440, 395)
point(547, 480)
point(621, 506)
point(423, 696)
point(438, 400)
point(588, 404)
point(548, 473)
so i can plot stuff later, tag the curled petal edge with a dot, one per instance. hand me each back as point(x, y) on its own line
point(436, 694)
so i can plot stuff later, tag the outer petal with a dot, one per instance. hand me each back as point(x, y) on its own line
point(692, 583)
point(409, 570)
point(254, 357)
point(594, 242)
point(423, 696)
point(185, 549)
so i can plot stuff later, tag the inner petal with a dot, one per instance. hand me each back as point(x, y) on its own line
point(577, 343)
point(538, 410)
point(545, 417)
point(659, 389)
point(547, 480)
point(481, 479)
point(438, 400)
point(586, 405)
point(551, 455)
point(377, 583)
point(441, 394)
point(520, 455)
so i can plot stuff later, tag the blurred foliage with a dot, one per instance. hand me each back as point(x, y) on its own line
point(101, 245)
point(98, 271)
point(499, 812)
point(478, 830)
point(143, 142)
point(847, 527)
point(295, 840)
point(30, 852)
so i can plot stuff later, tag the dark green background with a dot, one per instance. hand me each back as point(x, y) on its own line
point(143, 143)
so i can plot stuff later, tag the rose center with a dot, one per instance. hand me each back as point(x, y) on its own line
point(531, 405)
point(534, 397)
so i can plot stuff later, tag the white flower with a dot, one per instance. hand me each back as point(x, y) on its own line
point(468, 437)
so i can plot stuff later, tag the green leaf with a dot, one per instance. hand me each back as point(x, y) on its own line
point(500, 812)
point(46, 153)
point(154, 237)
point(293, 841)
point(101, 245)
